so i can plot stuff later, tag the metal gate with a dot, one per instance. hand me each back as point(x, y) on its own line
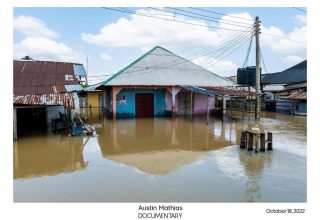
point(185, 104)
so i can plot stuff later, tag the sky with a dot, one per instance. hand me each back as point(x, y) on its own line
point(110, 40)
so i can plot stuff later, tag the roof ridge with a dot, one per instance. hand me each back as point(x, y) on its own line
point(129, 65)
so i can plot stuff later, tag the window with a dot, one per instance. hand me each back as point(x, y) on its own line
point(68, 77)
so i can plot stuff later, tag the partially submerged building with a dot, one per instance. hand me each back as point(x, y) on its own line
point(161, 83)
point(42, 90)
point(287, 90)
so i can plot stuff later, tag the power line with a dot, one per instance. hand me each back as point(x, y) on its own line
point(299, 9)
point(228, 53)
point(206, 19)
point(236, 44)
point(219, 19)
point(248, 53)
point(147, 15)
point(223, 50)
point(226, 45)
point(284, 38)
point(264, 65)
point(199, 9)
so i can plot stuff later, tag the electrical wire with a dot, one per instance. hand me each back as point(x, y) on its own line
point(213, 12)
point(264, 65)
point(248, 53)
point(284, 38)
point(205, 19)
point(226, 48)
point(228, 53)
point(179, 21)
point(220, 19)
point(299, 9)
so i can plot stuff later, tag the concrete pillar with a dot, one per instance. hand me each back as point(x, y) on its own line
point(250, 142)
point(224, 105)
point(115, 91)
point(263, 142)
point(269, 140)
point(174, 92)
point(15, 127)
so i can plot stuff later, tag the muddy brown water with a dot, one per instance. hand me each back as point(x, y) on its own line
point(163, 160)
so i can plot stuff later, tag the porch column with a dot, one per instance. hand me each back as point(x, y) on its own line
point(174, 92)
point(115, 91)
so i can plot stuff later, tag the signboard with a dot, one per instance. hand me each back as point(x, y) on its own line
point(121, 99)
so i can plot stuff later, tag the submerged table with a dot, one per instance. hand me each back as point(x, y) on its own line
point(248, 135)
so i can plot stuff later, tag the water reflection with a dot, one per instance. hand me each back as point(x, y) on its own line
point(157, 146)
point(48, 155)
point(163, 160)
point(254, 165)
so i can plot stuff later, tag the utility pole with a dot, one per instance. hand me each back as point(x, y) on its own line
point(258, 91)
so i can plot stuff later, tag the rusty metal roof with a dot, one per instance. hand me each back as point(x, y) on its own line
point(300, 95)
point(68, 100)
point(42, 77)
point(232, 91)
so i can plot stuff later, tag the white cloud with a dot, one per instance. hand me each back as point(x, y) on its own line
point(32, 27)
point(105, 56)
point(39, 42)
point(221, 67)
point(291, 59)
point(281, 45)
point(300, 19)
point(42, 48)
point(145, 33)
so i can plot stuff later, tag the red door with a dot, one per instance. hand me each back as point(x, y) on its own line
point(144, 105)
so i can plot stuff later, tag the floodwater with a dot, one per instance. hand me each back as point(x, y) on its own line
point(164, 160)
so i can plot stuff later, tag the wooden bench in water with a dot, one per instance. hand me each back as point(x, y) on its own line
point(248, 136)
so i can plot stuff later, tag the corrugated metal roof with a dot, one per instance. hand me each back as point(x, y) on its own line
point(273, 87)
point(298, 95)
point(93, 87)
point(231, 91)
point(201, 90)
point(295, 74)
point(41, 77)
point(73, 88)
point(160, 67)
point(68, 100)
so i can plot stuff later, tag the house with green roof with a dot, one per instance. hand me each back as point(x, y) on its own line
point(160, 83)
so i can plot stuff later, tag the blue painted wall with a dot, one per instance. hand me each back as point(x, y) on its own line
point(129, 109)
